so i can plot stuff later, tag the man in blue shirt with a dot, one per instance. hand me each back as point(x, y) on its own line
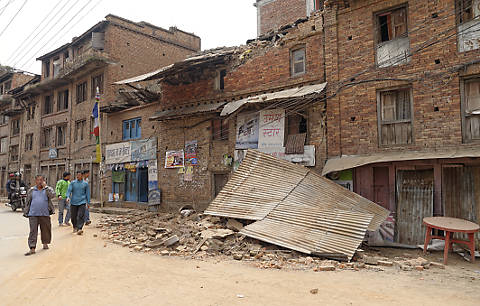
point(38, 209)
point(78, 194)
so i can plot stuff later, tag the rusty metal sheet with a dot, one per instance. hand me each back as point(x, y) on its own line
point(260, 183)
point(312, 230)
point(353, 161)
point(296, 208)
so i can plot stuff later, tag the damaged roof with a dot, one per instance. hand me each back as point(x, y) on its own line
point(187, 110)
point(295, 207)
point(212, 56)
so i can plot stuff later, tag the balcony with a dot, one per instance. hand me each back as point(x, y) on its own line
point(6, 99)
point(90, 60)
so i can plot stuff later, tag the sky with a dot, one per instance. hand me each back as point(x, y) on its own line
point(31, 28)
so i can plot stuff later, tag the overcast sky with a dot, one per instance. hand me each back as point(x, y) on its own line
point(217, 22)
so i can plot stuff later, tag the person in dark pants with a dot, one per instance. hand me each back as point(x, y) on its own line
point(78, 195)
point(86, 174)
point(38, 209)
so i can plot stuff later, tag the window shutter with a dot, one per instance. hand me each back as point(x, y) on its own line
point(388, 106)
point(473, 96)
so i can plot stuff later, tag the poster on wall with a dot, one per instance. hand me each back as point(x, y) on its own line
point(174, 159)
point(153, 190)
point(191, 149)
point(247, 131)
point(188, 176)
point(271, 129)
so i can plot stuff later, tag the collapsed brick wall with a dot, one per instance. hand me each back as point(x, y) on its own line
point(434, 73)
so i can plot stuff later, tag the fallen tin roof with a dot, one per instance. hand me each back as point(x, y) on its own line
point(295, 207)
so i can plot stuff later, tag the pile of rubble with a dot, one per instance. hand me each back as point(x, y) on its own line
point(192, 235)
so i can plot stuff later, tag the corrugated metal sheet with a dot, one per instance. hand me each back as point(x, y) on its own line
point(260, 183)
point(414, 202)
point(353, 161)
point(188, 110)
point(298, 92)
point(296, 207)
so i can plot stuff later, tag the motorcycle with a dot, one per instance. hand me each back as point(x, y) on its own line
point(18, 199)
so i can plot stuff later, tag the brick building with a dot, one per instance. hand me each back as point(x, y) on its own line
point(280, 79)
point(273, 14)
point(404, 111)
point(56, 131)
point(11, 82)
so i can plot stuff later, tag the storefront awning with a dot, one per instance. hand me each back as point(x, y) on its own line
point(353, 161)
point(292, 93)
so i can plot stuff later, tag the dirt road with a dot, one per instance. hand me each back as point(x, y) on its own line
point(83, 270)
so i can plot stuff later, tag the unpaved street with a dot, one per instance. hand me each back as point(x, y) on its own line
point(88, 271)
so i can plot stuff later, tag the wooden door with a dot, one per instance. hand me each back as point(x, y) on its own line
point(414, 202)
point(381, 186)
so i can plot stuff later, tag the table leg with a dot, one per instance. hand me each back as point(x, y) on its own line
point(447, 247)
point(428, 236)
point(471, 244)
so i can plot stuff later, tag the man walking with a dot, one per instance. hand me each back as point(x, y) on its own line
point(86, 174)
point(38, 209)
point(78, 195)
point(61, 190)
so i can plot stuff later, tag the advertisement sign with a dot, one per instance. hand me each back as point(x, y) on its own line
point(306, 159)
point(153, 190)
point(272, 128)
point(174, 159)
point(145, 149)
point(247, 131)
point(191, 153)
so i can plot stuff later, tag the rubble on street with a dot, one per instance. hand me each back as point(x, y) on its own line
point(201, 237)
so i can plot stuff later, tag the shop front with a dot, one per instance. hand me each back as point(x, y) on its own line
point(133, 168)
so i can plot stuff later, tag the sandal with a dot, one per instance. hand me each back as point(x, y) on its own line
point(31, 252)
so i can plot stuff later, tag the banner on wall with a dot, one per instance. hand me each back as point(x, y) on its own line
point(272, 128)
point(131, 151)
point(247, 131)
point(174, 159)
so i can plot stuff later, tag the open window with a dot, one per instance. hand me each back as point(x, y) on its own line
point(395, 117)
point(29, 142)
point(471, 110)
point(393, 44)
point(47, 105)
point(45, 137)
point(62, 102)
point(296, 133)
point(61, 135)
point(15, 127)
point(14, 153)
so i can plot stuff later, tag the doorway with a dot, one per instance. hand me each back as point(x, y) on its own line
point(220, 180)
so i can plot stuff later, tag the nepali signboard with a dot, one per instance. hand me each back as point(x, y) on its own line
point(132, 151)
point(247, 131)
point(271, 129)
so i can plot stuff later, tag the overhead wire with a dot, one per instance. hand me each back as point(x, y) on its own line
point(28, 38)
point(3, 8)
point(13, 18)
point(57, 33)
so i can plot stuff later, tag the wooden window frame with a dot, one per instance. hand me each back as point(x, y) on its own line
point(81, 91)
point(293, 62)
point(80, 135)
point(138, 127)
point(17, 155)
point(4, 148)
point(15, 129)
point(29, 142)
point(221, 131)
point(57, 142)
point(463, 110)
point(100, 84)
point(44, 141)
point(380, 122)
point(50, 109)
point(63, 100)
point(464, 11)
point(377, 30)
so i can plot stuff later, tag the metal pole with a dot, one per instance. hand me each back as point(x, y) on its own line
point(100, 170)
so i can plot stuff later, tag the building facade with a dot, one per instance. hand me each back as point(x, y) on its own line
point(57, 127)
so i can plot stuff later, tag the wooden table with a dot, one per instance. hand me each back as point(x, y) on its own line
point(450, 226)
